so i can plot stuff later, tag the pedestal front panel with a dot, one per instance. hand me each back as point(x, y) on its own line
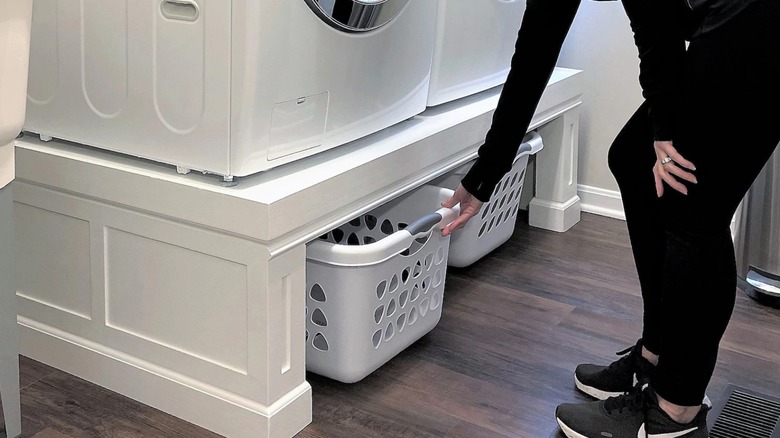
point(183, 306)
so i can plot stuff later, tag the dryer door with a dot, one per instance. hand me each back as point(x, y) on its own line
point(357, 15)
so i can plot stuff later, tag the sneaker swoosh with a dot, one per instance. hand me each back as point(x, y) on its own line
point(641, 433)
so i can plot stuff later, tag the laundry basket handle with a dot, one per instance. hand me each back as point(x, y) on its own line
point(532, 144)
point(383, 249)
point(424, 224)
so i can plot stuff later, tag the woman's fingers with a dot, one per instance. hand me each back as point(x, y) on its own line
point(458, 223)
point(468, 209)
point(665, 149)
point(469, 206)
point(677, 185)
point(453, 201)
point(679, 172)
point(659, 182)
point(670, 166)
point(661, 172)
point(679, 159)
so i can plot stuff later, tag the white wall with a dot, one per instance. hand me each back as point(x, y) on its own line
point(601, 44)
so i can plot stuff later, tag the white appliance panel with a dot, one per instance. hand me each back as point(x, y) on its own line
point(225, 87)
point(473, 48)
point(117, 74)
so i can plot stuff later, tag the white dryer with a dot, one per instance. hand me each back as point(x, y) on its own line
point(230, 87)
point(474, 44)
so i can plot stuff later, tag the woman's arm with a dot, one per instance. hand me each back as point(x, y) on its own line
point(539, 40)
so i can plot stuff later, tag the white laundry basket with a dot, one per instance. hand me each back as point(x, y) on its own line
point(495, 223)
point(375, 285)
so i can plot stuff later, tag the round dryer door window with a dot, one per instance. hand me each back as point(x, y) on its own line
point(357, 15)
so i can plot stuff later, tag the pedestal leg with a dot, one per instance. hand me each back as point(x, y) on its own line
point(556, 205)
point(9, 344)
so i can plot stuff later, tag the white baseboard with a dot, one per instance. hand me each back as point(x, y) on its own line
point(608, 203)
point(600, 201)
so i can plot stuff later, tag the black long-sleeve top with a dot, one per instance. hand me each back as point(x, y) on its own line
point(539, 40)
point(661, 29)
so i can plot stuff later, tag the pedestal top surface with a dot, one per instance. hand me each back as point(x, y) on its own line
point(295, 201)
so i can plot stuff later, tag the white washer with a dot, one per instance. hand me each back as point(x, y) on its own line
point(226, 87)
point(474, 44)
point(14, 53)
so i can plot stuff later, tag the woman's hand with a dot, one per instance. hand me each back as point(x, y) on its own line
point(669, 166)
point(469, 206)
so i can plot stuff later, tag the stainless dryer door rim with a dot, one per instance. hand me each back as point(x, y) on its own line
point(357, 15)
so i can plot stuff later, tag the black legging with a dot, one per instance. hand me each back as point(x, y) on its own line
point(728, 125)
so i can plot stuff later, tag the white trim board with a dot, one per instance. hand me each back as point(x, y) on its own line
point(609, 203)
point(600, 201)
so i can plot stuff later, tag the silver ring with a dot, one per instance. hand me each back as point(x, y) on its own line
point(666, 159)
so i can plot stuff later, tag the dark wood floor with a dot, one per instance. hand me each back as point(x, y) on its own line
point(514, 326)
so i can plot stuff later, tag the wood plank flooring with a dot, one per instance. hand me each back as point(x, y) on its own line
point(514, 326)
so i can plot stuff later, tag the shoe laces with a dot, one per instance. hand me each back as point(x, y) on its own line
point(625, 362)
point(632, 401)
point(626, 351)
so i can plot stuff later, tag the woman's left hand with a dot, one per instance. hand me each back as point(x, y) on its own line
point(669, 166)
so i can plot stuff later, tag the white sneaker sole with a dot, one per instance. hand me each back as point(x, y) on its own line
point(567, 430)
point(594, 392)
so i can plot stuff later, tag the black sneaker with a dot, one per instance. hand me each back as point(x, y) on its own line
point(632, 415)
point(602, 382)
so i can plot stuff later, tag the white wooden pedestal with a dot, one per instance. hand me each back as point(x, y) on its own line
point(190, 296)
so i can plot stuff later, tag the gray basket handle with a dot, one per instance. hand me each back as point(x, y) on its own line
point(437, 220)
point(532, 144)
point(424, 225)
